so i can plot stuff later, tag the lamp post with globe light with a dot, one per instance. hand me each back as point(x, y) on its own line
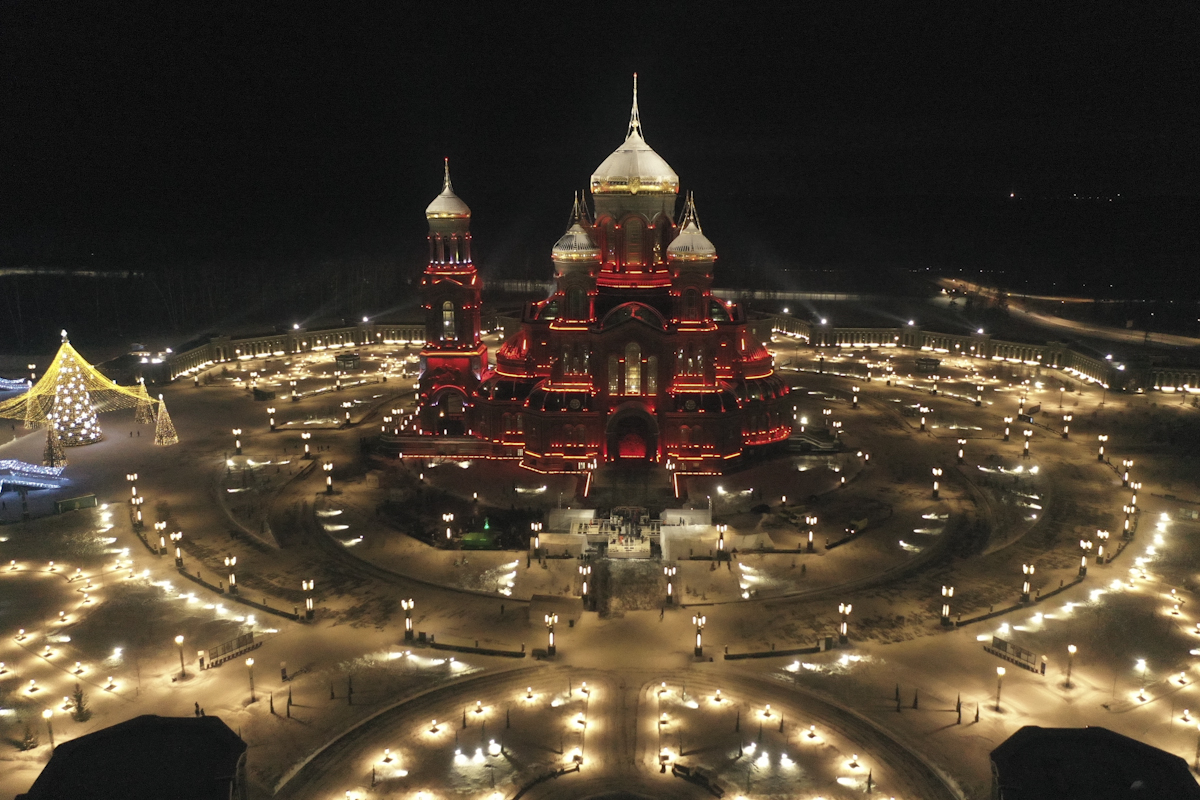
point(408, 606)
point(999, 685)
point(328, 467)
point(237, 441)
point(231, 565)
point(844, 628)
point(305, 436)
point(176, 539)
point(1028, 436)
point(962, 443)
point(947, 593)
point(1103, 439)
point(1027, 570)
point(1103, 537)
point(670, 573)
point(307, 586)
point(1086, 546)
point(271, 418)
point(551, 620)
point(250, 671)
point(698, 620)
point(1066, 434)
point(937, 476)
point(179, 644)
point(811, 521)
point(47, 715)
point(1007, 427)
point(1071, 649)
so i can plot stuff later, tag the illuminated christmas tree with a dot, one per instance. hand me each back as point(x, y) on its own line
point(164, 430)
point(73, 414)
point(54, 455)
point(145, 406)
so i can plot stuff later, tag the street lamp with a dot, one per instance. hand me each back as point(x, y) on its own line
point(271, 417)
point(670, 573)
point(176, 538)
point(924, 411)
point(46, 715)
point(585, 572)
point(1141, 664)
point(1127, 532)
point(1126, 465)
point(160, 528)
point(1086, 546)
point(250, 670)
point(307, 586)
point(1028, 570)
point(1070, 661)
point(937, 475)
point(1103, 537)
point(179, 644)
point(408, 606)
point(999, 685)
point(962, 443)
point(1061, 391)
point(1102, 438)
point(1028, 435)
point(1007, 422)
point(328, 467)
point(237, 441)
point(844, 629)
point(947, 593)
point(1135, 486)
point(137, 504)
point(854, 398)
point(305, 437)
point(811, 521)
point(347, 405)
point(721, 536)
point(231, 565)
point(698, 620)
point(551, 619)
point(449, 520)
point(1067, 425)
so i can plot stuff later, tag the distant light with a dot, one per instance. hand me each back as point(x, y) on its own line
point(1108, 357)
point(295, 326)
point(785, 309)
point(364, 319)
point(824, 321)
point(979, 331)
point(911, 322)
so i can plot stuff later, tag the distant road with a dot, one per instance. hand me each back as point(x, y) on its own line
point(1079, 328)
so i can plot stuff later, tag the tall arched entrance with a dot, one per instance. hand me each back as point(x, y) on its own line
point(632, 435)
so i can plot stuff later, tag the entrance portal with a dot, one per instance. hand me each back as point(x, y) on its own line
point(631, 438)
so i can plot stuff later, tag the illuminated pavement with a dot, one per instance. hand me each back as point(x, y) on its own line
point(357, 638)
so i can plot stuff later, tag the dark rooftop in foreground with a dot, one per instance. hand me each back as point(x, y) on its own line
point(1038, 763)
point(147, 758)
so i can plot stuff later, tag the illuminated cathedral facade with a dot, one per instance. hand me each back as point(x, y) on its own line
point(630, 359)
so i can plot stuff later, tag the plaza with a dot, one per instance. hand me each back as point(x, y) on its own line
point(356, 686)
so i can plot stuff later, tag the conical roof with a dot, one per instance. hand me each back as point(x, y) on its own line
point(634, 166)
point(447, 205)
point(576, 244)
point(691, 243)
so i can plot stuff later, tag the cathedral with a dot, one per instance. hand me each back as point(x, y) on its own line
point(630, 359)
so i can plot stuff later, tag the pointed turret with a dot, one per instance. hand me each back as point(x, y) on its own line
point(691, 244)
point(576, 244)
point(447, 205)
point(634, 167)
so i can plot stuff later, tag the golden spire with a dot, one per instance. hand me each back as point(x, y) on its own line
point(635, 121)
point(446, 187)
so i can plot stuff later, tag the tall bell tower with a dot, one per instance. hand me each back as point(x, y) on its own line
point(454, 357)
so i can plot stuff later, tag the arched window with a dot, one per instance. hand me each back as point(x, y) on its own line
point(633, 368)
point(634, 228)
point(448, 325)
point(691, 304)
point(614, 375)
point(575, 304)
point(652, 375)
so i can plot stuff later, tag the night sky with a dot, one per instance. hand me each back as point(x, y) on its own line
point(159, 137)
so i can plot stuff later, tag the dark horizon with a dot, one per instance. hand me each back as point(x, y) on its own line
point(1053, 150)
